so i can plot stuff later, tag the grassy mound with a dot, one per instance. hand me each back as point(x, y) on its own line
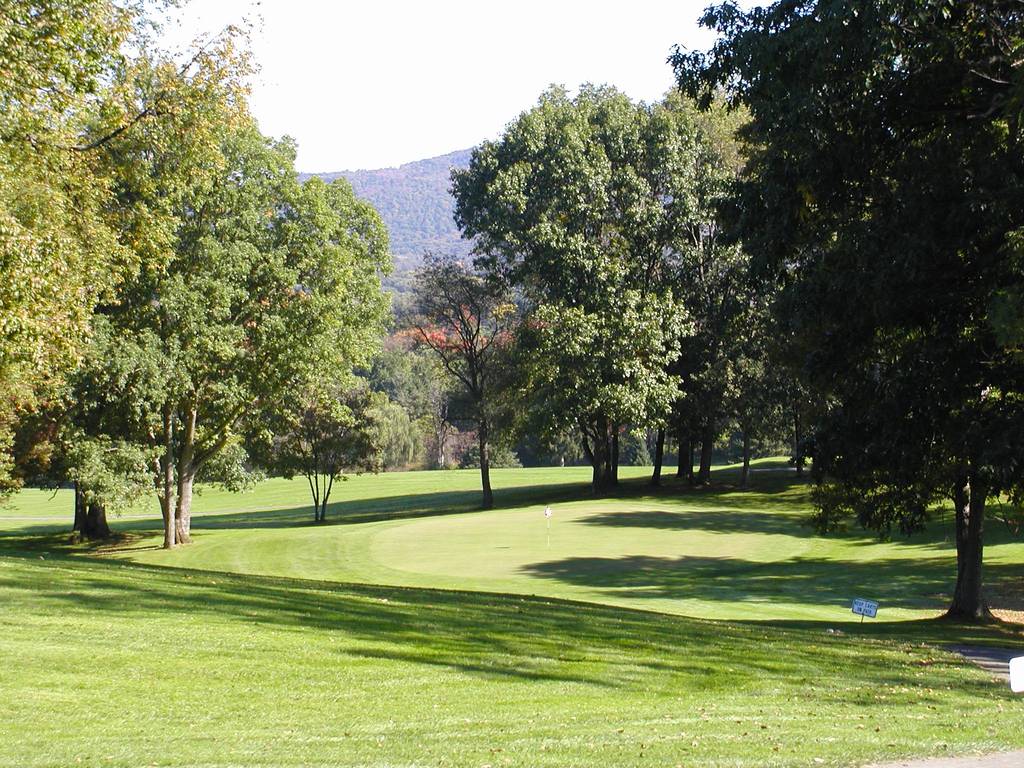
point(719, 553)
point(109, 664)
point(255, 646)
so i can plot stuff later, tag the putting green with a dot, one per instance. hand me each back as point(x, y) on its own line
point(720, 553)
point(723, 554)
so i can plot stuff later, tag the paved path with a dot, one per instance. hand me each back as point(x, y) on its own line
point(1001, 760)
point(993, 660)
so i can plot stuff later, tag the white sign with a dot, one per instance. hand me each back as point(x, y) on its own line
point(1017, 674)
point(864, 607)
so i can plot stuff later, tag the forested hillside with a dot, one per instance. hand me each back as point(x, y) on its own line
point(415, 203)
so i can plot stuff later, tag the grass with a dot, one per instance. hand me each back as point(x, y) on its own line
point(722, 554)
point(128, 665)
point(218, 654)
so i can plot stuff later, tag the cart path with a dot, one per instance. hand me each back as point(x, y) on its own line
point(995, 661)
point(1000, 760)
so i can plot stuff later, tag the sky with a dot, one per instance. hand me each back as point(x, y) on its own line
point(378, 83)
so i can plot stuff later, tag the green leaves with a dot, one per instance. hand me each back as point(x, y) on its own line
point(581, 205)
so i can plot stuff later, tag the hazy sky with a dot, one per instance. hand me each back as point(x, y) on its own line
point(378, 83)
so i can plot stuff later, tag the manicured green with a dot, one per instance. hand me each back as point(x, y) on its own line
point(109, 662)
point(724, 554)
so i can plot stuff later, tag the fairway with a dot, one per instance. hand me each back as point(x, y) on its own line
point(110, 664)
point(723, 554)
point(411, 630)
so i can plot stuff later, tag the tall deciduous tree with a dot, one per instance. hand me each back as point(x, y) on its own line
point(708, 271)
point(468, 324)
point(574, 206)
point(885, 194)
point(249, 284)
point(57, 252)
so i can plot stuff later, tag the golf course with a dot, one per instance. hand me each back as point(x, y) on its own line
point(678, 627)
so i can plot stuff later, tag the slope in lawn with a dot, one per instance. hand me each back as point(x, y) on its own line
point(718, 553)
point(108, 664)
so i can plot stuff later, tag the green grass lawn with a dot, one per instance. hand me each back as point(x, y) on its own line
point(254, 646)
point(724, 553)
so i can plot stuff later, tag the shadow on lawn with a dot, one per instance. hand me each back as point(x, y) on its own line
point(767, 490)
point(498, 636)
point(403, 506)
point(917, 583)
point(718, 520)
point(343, 511)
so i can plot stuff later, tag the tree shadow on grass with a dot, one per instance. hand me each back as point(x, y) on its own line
point(937, 534)
point(717, 520)
point(343, 511)
point(394, 507)
point(496, 636)
point(913, 583)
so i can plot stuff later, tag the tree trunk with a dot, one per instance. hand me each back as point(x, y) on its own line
point(165, 489)
point(328, 487)
point(659, 457)
point(78, 529)
point(96, 526)
point(90, 519)
point(186, 477)
point(707, 444)
point(602, 453)
point(680, 466)
point(968, 597)
point(615, 456)
point(313, 478)
point(485, 466)
point(592, 458)
point(798, 455)
point(745, 473)
point(691, 479)
point(183, 508)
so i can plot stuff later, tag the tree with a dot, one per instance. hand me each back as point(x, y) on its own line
point(249, 284)
point(328, 435)
point(58, 253)
point(884, 195)
point(466, 322)
point(573, 206)
point(263, 307)
point(401, 443)
point(708, 271)
point(105, 418)
point(760, 384)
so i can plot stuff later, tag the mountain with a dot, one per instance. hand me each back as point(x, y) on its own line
point(414, 201)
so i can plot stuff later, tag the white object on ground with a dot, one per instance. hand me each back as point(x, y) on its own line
point(1017, 674)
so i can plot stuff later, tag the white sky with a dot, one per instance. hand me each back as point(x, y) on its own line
point(378, 83)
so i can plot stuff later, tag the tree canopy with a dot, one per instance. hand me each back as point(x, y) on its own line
point(575, 206)
point(884, 198)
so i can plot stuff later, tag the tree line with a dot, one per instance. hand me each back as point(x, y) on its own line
point(814, 241)
point(176, 301)
point(825, 221)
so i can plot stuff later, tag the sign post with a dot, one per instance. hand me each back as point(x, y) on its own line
point(864, 608)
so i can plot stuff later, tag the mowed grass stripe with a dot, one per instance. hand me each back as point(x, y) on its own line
point(720, 553)
point(122, 665)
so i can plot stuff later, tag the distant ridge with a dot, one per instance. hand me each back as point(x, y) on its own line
point(415, 203)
